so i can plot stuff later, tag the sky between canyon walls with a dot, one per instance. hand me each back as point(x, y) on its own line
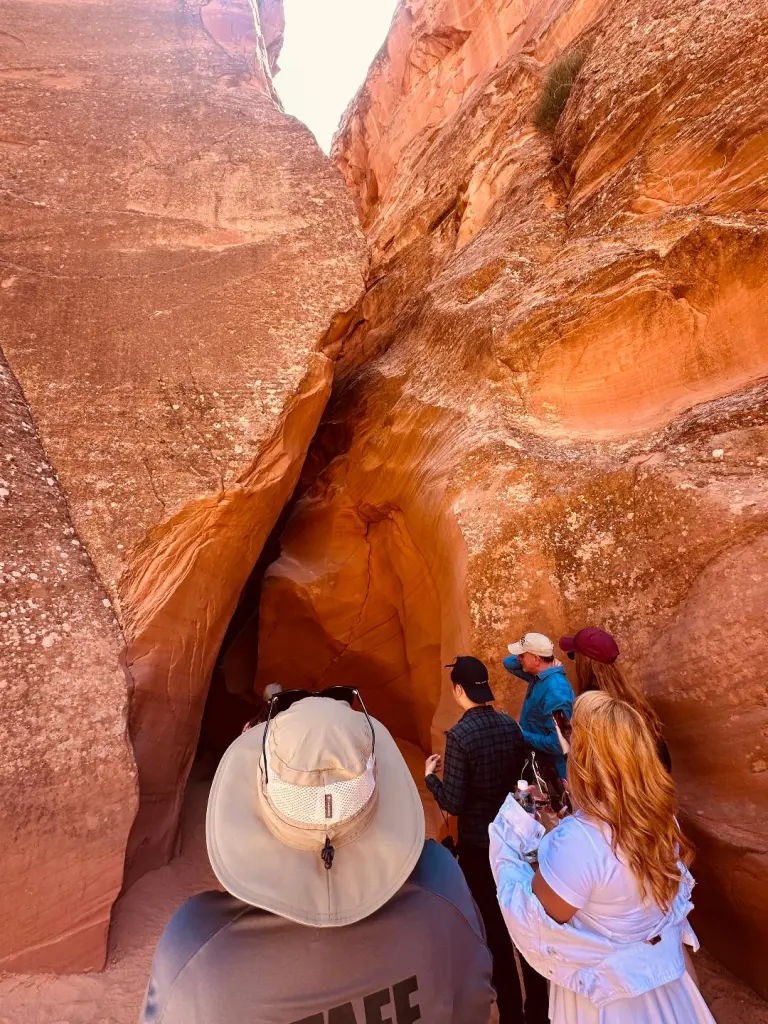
point(329, 46)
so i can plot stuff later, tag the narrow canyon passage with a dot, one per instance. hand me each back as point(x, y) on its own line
point(273, 417)
point(238, 678)
point(549, 406)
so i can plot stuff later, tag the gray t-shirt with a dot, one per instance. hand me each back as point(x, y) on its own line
point(421, 957)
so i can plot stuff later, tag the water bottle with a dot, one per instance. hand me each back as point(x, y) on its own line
point(524, 797)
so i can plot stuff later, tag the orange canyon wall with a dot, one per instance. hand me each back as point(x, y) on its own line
point(176, 252)
point(550, 408)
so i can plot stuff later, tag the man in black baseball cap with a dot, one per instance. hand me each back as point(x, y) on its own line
point(484, 758)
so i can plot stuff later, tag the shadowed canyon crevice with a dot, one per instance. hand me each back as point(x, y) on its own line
point(238, 443)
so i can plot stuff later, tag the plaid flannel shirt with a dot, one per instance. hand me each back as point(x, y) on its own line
point(484, 756)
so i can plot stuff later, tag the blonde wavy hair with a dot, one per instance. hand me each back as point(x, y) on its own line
point(594, 675)
point(614, 775)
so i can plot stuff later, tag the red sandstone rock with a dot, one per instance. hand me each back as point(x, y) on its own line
point(254, 37)
point(67, 778)
point(551, 410)
point(272, 18)
point(438, 55)
point(175, 249)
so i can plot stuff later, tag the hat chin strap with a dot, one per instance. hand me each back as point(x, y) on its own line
point(322, 839)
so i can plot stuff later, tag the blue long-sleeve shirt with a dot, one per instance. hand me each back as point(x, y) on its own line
point(547, 692)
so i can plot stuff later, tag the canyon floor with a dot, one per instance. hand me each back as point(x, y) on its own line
point(115, 995)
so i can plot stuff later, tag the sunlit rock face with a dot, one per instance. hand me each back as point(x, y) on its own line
point(272, 21)
point(67, 778)
point(176, 252)
point(253, 35)
point(550, 409)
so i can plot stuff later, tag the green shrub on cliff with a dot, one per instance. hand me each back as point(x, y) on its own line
point(557, 88)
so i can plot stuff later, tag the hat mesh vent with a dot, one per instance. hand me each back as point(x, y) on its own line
point(322, 805)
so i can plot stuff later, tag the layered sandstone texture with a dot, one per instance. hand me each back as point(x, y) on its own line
point(550, 408)
point(176, 254)
point(67, 778)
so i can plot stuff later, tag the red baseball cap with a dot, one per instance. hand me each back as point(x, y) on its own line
point(592, 643)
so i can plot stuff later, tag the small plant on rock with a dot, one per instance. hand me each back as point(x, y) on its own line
point(557, 88)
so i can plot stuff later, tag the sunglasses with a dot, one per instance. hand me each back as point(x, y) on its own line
point(285, 699)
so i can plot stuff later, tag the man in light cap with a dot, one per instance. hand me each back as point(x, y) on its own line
point(532, 659)
point(335, 911)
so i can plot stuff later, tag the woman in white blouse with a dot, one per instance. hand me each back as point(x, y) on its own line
point(605, 915)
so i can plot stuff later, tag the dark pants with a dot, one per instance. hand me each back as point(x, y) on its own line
point(477, 871)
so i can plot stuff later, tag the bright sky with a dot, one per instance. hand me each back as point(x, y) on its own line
point(329, 46)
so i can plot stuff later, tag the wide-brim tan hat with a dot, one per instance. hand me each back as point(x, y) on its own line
point(274, 873)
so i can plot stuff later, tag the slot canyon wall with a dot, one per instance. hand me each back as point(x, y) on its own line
point(68, 792)
point(550, 406)
point(177, 261)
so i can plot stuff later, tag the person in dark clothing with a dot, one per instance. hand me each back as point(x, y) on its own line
point(484, 756)
point(594, 653)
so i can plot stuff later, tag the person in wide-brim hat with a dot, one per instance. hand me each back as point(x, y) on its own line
point(266, 831)
point(315, 830)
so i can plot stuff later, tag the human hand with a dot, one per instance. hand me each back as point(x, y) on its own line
point(432, 764)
